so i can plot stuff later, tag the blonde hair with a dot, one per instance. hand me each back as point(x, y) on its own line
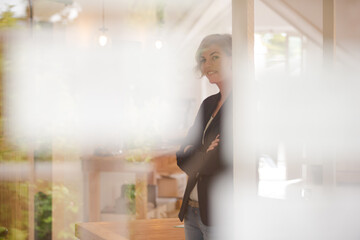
point(224, 41)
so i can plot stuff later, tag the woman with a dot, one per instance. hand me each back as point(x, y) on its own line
point(206, 151)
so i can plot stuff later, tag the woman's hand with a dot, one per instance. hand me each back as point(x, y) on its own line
point(214, 143)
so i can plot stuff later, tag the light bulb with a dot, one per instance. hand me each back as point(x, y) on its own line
point(103, 40)
point(158, 44)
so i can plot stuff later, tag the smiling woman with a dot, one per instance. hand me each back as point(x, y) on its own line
point(222, 43)
point(202, 155)
point(215, 64)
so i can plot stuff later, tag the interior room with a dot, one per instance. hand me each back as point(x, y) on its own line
point(97, 97)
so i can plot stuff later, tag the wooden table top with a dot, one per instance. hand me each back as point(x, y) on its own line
point(118, 163)
point(146, 229)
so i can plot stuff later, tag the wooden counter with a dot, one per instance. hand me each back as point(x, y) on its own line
point(92, 166)
point(151, 229)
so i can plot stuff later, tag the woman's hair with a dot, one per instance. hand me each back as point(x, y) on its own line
point(224, 41)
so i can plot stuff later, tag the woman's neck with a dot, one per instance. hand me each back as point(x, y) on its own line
point(225, 90)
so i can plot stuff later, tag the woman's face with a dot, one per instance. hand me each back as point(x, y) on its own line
point(215, 64)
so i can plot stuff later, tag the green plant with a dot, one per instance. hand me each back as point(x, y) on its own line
point(138, 156)
point(276, 45)
point(49, 202)
point(7, 19)
point(130, 194)
point(3, 233)
point(43, 216)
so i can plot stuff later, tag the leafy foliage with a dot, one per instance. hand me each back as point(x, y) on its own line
point(276, 46)
point(138, 156)
point(7, 19)
point(43, 216)
point(130, 194)
point(3, 232)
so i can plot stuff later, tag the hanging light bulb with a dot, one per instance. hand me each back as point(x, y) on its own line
point(103, 38)
point(158, 44)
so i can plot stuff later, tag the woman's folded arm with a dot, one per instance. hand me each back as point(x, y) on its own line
point(191, 160)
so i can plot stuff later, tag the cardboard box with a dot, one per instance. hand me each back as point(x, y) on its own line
point(172, 185)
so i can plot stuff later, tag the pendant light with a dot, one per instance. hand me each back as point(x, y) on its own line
point(103, 38)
